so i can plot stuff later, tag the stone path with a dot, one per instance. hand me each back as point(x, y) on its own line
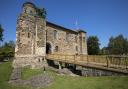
point(38, 81)
point(16, 74)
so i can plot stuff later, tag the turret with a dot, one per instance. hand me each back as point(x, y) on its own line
point(29, 8)
point(31, 31)
point(82, 42)
point(30, 36)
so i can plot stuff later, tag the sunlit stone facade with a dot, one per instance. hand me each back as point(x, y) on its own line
point(36, 37)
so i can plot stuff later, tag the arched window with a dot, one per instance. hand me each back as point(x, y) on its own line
point(56, 49)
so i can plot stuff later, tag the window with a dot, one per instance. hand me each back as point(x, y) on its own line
point(55, 34)
point(28, 35)
point(56, 49)
point(38, 60)
point(24, 10)
point(19, 34)
point(76, 39)
point(30, 12)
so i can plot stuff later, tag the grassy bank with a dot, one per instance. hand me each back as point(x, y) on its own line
point(64, 82)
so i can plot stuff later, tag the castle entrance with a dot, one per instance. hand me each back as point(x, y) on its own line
point(48, 48)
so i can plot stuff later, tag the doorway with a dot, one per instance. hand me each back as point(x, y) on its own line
point(48, 48)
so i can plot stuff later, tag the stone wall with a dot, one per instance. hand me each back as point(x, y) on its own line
point(98, 72)
point(24, 34)
point(30, 38)
point(68, 42)
point(65, 41)
point(29, 61)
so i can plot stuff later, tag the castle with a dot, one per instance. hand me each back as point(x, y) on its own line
point(36, 37)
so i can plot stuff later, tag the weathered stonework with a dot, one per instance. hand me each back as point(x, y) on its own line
point(36, 37)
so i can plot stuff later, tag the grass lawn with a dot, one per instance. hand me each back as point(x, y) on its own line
point(27, 73)
point(64, 82)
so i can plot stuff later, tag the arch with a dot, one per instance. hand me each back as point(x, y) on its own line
point(48, 48)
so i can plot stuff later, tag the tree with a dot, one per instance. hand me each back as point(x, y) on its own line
point(118, 45)
point(1, 33)
point(104, 51)
point(7, 50)
point(93, 45)
point(11, 44)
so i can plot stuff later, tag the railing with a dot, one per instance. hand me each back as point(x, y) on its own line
point(107, 61)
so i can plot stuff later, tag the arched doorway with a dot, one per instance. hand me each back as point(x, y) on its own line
point(48, 48)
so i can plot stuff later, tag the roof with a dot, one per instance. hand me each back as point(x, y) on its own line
point(80, 30)
point(63, 28)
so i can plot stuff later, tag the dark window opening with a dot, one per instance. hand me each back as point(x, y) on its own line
point(48, 48)
point(76, 39)
point(39, 59)
point(30, 12)
point(28, 35)
point(56, 49)
point(25, 10)
point(19, 34)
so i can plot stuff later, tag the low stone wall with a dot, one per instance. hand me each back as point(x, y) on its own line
point(32, 62)
point(16, 74)
point(97, 72)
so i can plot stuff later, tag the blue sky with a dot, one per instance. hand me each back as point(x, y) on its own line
point(103, 18)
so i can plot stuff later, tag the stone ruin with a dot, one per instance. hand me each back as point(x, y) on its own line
point(36, 37)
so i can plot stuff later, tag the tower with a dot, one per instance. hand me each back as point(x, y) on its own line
point(30, 36)
point(82, 42)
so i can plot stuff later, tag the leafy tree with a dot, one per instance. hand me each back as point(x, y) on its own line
point(7, 50)
point(1, 33)
point(118, 45)
point(10, 44)
point(104, 51)
point(93, 45)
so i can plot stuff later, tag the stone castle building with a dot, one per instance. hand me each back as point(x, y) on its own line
point(36, 37)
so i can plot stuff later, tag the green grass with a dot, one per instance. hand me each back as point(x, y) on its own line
point(27, 73)
point(5, 72)
point(64, 82)
point(68, 82)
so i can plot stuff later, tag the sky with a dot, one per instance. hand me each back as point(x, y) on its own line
point(101, 18)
